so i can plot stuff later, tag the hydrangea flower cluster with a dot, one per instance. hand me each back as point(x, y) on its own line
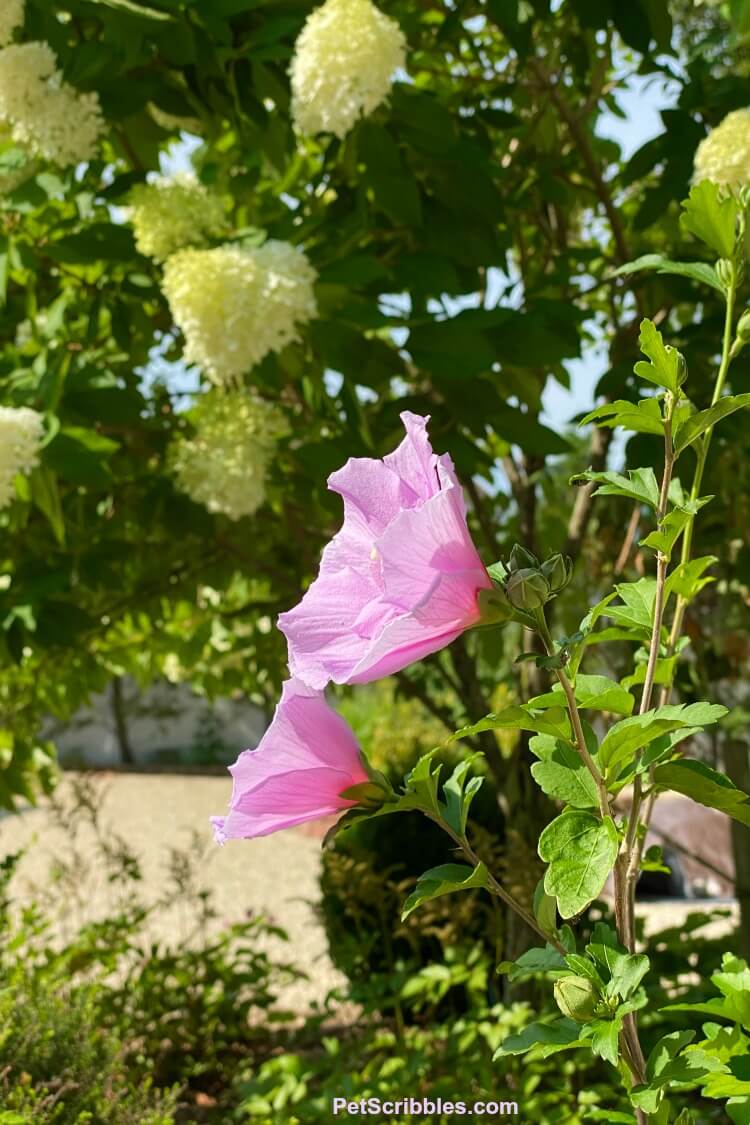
point(343, 65)
point(45, 114)
point(173, 212)
point(235, 305)
point(724, 155)
point(400, 580)
point(223, 464)
point(11, 18)
point(21, 432)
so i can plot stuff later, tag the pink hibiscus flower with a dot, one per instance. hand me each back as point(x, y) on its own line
point(305, 760)
point(399, 580)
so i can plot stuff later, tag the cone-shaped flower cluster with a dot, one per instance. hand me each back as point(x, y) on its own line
point(172, 213)
point(223, 464)
point(11, 18)
point(21, 432)
point(45, 114)
point(400, 580)
point(724, 155)
point(343, 65)
point(236, 305)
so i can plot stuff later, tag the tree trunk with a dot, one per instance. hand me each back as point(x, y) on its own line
point(127, 757)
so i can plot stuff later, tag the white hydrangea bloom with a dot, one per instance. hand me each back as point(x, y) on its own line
point(11, 18)
point(45, 114)
point(223, 465)
point(343, 65)
point(21, 431)
point(724, 155)
point(236, 305)
point(173, 212)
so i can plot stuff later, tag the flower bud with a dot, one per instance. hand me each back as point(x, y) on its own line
point(520, 558)
point(527, 589)
point(558, 571)
point(743, 327)
point(682, 367)
point(577, 998)
point(725, 272)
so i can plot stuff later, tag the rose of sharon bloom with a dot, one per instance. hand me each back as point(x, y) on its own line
point(305, 760)
point(399, 580)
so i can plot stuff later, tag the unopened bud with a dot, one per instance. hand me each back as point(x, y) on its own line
point(527, 589)
point(725, 273)
point(558, 571)
point(682, 367)
point(520, 558)
point(577, 998)
point(743, 327)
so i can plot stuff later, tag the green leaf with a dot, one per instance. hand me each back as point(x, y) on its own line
point(580, 851)
point(393, 185)
point(705, 785)
point(627, 736)
point(665, 1050)
point(604, 1037)
point(688, 579)
point(564, 777)
point(598, 693)
point(665, 367)
point(697, 424)
point(711, 216)
point(458, 794)
point(444, 880)
point(628, 971)
point(697, 271)
point(45, 494)
point(642, 417)
point(553, 721)
point(637, 609)
point(669, 531)
point(533, 962)
point(640, 485)
point(558, 1035)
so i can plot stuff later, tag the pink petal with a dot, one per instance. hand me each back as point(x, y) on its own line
point(305, 760)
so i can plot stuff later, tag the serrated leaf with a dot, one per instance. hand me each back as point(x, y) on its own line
point(598, 693)
point(627, 973)
point(624, 738)
point(705, 785)
point(696, 271)
point(533, 962)
point(696, 424)
point(558, 1035)
point(554, 721)
point(580, 850)
point(458, 793)
point(688, 579)
point(664, 367)
point(604, 1037)
point(711, 216)
point(564, 777)
point(639, 485)
point(665, 1050)
point(669, 531)
point(642, 417)
point(637, 609)
point(444, 880)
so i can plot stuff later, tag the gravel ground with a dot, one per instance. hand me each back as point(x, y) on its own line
point(153, 814)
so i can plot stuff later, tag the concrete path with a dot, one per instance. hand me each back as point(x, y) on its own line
point(156, 816)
